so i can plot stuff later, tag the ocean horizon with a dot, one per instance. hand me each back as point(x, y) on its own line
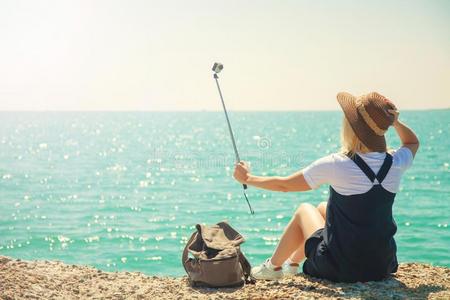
point(124, 190)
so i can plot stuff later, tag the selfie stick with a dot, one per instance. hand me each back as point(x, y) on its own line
point(217, 68)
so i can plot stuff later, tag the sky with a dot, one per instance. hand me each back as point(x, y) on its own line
point(277, 55)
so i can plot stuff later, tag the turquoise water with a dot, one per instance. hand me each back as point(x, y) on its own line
point(122, 191)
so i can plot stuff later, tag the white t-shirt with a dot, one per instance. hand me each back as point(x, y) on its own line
point(347, 178)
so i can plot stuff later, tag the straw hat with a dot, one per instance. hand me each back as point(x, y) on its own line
point(369, 117)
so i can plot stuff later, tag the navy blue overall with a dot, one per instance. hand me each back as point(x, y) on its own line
point(357, 243)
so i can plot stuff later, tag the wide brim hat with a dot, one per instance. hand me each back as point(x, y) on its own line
point(369, 117)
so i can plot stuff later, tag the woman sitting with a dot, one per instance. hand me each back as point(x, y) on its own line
point(351, 237)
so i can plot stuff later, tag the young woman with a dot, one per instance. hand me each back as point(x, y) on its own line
point(351, 237)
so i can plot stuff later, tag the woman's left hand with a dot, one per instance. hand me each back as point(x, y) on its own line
point(242, 172)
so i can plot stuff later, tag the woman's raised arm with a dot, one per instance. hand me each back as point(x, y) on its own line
point(292, 183)
point(406, 135)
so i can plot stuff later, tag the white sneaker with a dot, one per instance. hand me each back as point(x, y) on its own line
point(290, 270)
point(266, 271)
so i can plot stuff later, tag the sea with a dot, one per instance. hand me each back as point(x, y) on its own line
point(124, 190)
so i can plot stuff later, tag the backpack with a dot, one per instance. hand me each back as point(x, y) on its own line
point(217, 259)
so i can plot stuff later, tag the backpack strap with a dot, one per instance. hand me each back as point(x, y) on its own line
point(246, 268)
point(184, 257)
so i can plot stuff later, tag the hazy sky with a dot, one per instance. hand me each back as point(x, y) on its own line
point(278, 55)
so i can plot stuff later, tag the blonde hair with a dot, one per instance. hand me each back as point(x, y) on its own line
point(350, 143)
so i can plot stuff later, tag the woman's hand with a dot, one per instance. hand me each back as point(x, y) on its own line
point(396, 113)
point(407, 136)
point(242, 172)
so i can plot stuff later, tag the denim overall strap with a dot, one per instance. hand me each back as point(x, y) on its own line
point(384, 168)
point(368, 171)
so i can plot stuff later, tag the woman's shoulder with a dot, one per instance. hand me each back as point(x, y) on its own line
point(334, 158)
point(402, 157)
point(338, 157)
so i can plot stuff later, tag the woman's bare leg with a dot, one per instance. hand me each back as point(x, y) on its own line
point(306, 220)
point(322, 207)
point(299, 254)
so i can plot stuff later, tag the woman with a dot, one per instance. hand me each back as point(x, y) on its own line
point(350, 238)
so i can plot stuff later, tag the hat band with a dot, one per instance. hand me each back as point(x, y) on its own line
point(369, 121)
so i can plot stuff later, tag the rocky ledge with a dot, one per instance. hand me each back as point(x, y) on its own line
point(56, 280)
